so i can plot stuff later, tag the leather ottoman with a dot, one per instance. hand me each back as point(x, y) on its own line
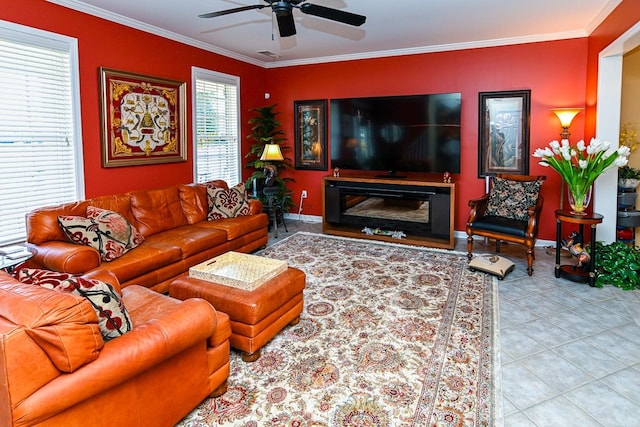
point(256, 316)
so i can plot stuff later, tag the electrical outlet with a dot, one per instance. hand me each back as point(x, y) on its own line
point(304, 194)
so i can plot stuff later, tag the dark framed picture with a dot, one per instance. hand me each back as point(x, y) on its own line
point(311, 134)
point(503, 135)
point(143, 119)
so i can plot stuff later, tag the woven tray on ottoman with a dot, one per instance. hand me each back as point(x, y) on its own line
point(256, 315)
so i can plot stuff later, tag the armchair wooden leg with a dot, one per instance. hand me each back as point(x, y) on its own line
point(498, 245)
point(469, 246)
point(530, 257)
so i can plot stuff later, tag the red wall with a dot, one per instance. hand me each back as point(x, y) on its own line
point(554, 71)
point(559, 74)
point(105, 44)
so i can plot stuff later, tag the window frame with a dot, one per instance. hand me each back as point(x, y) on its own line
point(198, 73)
point(21, 34)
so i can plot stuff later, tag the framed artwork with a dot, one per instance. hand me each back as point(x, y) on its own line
point(503, 135)
point(142, 118)
point(311, 134)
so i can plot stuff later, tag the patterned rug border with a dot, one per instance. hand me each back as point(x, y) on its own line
point(498, 409)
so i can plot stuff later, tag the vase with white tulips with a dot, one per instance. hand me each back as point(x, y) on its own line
point(580, 165)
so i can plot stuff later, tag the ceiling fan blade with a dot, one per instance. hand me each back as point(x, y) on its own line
point(286, 24)
point(333, 14)
point(228, 11)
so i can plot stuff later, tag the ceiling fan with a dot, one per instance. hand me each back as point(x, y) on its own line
point(283, 10)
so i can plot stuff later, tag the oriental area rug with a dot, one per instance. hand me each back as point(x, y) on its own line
point(390, 335)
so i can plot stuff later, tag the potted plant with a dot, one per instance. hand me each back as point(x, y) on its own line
point(266, 129)
point(628, 178)
point(617, 264)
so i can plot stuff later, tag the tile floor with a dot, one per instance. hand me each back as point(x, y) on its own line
point(570, 354)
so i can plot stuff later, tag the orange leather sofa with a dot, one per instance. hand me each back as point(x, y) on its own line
point(56, 370)
point(174, 223)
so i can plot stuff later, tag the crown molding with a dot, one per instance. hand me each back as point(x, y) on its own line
point(602, 15)
point(432, 49)
point(123, 20)
point(138, 25)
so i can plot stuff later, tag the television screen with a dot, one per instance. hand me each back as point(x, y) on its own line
point(414, 133)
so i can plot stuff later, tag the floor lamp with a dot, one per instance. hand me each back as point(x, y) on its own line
point(565, 115)
point(270, 190)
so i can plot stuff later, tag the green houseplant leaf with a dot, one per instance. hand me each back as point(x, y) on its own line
point(617, 264)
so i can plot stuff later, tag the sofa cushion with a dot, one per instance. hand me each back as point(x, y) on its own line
point(193, 198)
point(227, 203)
point(191, 239)
point(157, 210)
point(512, 199)
point(65, 326)
point(113, 317)
point(144, 259)
point(236, 227)
point(106, 231)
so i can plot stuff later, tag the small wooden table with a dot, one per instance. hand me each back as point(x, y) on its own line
point(572, 272)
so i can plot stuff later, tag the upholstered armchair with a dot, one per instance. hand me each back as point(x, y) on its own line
point(510, 212)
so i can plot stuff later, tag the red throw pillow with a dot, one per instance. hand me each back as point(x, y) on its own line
point(45, 278)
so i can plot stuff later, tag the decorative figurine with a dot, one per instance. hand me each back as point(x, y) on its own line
point(573, 243)
point(336, 172)
point(446, 178)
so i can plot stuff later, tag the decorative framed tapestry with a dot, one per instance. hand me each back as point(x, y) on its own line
point(142, 118)
point(503, 135)
point(311, 134)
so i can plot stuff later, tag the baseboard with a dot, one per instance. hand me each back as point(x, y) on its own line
point(303, 218)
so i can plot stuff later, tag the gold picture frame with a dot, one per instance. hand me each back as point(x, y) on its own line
point(143, 119)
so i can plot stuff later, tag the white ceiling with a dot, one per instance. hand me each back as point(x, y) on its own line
point(392, 27)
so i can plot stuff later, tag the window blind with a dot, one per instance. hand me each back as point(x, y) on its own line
point(37, 130)
point(216, 123)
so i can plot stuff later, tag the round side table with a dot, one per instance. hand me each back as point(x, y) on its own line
point(573, 272)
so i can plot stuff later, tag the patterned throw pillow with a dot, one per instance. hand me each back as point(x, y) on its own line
point(227, 203)
point(113, 317)
point(512, 199)
point(106, 231)
point(44, 278)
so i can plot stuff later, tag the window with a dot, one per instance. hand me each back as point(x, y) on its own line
point(40, 144)
point(216, 126)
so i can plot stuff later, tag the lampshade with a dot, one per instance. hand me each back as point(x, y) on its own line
point(271, 152)
point(566, 115)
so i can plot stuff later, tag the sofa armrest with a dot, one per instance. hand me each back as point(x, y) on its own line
point(64, 257)
point(255, 206)
point(179, 325)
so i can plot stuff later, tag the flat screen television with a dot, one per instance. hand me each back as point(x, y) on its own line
point(396, 134)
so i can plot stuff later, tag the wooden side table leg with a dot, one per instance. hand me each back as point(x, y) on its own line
point(558, 246)
point(592, 262)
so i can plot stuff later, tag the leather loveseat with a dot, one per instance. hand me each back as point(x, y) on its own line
point(173, 221)
point(56, 370)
